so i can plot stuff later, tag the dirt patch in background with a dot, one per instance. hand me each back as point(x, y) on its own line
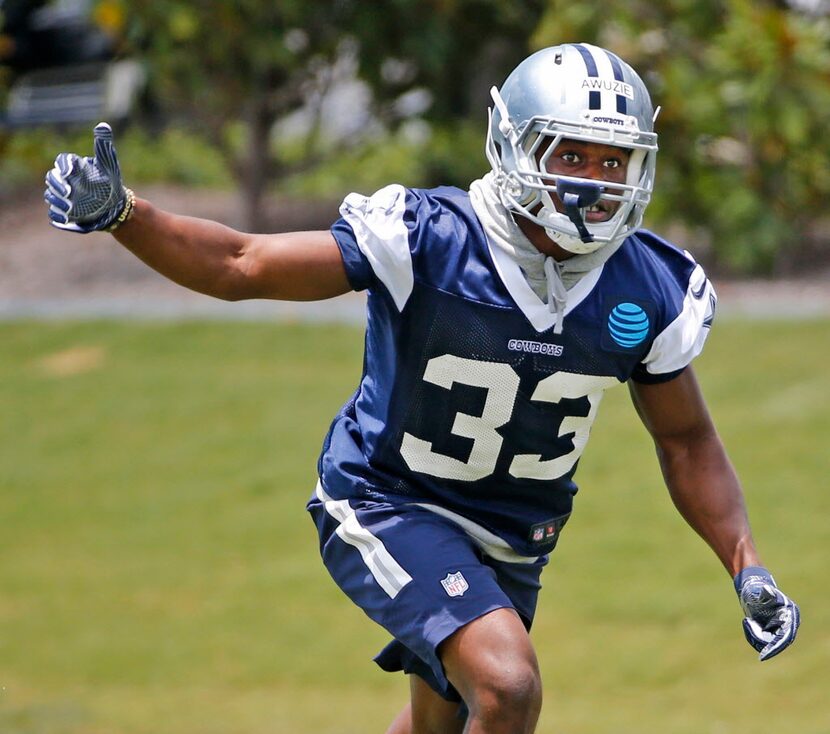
point(52, 274)
point(47, 273)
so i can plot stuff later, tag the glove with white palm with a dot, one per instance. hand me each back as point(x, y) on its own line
point(86, 194)
point(772, 619)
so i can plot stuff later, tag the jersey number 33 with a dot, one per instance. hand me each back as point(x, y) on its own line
point(501, 383)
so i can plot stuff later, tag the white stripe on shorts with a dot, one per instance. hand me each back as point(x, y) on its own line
point(385, 569)
point(489, 543)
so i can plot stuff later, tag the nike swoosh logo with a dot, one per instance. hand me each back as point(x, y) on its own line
point(707, 322)
point(698, 294)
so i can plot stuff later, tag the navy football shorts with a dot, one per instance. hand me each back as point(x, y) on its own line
point(419, 575)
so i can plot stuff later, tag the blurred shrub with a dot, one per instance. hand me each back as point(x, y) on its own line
point(428, 156)
point(175, 155)
point(452, 154)
point(744, 158)
point(744, 166)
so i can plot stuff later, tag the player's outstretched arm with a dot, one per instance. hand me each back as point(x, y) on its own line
point(698, 473)
point(214, 259)
point(706, 491)
point(87, 195)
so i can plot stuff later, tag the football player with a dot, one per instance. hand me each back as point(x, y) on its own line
point(497, 318)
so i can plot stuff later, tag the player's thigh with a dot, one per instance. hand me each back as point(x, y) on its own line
point(492, 656)
point(417, 574)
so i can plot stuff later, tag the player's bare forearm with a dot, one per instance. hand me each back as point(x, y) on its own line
point(702, 482)
point(706, 491)
point(211, 258)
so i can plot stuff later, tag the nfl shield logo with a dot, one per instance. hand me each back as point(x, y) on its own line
point(455, 584)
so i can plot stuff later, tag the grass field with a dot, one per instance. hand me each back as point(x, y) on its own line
point(158, 573)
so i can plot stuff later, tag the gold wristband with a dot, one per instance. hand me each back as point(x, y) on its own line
point(126, 212)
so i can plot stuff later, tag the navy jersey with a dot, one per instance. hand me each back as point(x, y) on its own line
point(469, 403)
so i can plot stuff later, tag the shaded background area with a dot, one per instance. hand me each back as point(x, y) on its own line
point(46, 273)
point(279, 101)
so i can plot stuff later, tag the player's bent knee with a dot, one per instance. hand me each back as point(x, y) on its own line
point(505, 690)
point(514, 692)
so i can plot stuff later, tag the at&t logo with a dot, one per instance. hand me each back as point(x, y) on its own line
point(628, 325)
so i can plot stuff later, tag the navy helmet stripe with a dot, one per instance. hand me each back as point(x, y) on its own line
point(616, 65)
point(590, 64)
point(594, 98)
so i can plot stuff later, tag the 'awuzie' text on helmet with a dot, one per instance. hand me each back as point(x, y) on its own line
point(577, 92)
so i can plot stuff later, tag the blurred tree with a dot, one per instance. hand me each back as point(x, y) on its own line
point(216, 63)
point(744, 85)
point(258, 61)
point(455, 49)
point(745, 90)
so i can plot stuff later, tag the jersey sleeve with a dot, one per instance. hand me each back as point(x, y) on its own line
point(683, 338)
point(374, 241)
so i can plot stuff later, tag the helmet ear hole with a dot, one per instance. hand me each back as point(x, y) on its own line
point(526, 154)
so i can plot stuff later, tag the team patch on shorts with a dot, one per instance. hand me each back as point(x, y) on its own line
point(547, 533)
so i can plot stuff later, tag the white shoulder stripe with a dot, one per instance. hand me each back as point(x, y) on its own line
point(682, 340)
point(382, 236)
point(383, 567)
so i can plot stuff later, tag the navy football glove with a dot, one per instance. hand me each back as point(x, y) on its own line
point(772, 619)
point(86, 194)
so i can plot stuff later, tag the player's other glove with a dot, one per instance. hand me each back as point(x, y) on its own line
point(86, 194)
point(772, 619)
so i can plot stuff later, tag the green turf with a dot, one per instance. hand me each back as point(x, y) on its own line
point(159, 575)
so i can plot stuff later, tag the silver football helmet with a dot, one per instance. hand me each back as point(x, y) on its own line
point(577, 92)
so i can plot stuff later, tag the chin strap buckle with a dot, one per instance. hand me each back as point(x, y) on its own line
point(576, 195)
